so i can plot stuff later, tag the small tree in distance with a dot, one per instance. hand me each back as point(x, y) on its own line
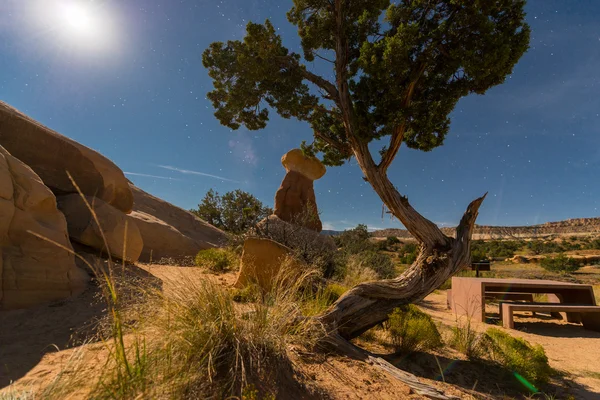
point(234, 212)
point(398, 70)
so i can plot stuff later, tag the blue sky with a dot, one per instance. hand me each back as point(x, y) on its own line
point(133, 88)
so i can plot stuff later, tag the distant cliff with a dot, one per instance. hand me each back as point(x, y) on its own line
point(577, 226)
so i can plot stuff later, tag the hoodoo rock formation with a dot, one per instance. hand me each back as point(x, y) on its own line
point(295, 200)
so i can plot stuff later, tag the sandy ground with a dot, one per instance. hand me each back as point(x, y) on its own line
point(37, 344)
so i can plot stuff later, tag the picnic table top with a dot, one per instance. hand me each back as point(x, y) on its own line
point(524, 282)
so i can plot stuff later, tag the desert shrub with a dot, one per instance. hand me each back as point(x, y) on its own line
point(496, 248)
point(392, 240)
point(412, 330)
point(408, 253)
point(356, 272)
point(354, 241)
point(560, 263)
point(388, 244)
point(380, 263)
point(518, 355)
point(544, 247)
point(217, 260)
point(478, 254)
point(593, 244)
point(465, 339)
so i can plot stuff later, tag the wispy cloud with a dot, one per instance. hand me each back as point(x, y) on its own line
point(328, 226)
point(151, 176)
point(190, 172)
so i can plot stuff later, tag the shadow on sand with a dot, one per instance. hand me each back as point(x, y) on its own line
point(484, 377)
point(27, 335)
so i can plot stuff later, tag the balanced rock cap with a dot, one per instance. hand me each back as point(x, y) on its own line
point(311, 167)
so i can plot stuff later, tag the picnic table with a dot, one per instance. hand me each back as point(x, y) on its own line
point(468, 294)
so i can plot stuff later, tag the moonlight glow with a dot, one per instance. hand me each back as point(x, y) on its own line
point(78, 26)
point(77, 17)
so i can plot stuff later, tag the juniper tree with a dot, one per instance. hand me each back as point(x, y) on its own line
point(398, 68)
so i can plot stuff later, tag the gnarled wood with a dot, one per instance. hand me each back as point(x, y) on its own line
point(440, 257)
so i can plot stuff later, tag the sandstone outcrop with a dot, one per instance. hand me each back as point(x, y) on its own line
point(120, 230)
point(32, 270)
point(51, 155)
point(262, 261)
point(169, 231)
point(295, 200)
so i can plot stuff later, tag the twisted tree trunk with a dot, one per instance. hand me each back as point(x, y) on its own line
point(440, 257)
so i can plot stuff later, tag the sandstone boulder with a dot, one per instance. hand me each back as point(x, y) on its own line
point(32, 270)
point(169, 231)
point(262, 260)
point(51, 154)
point(161, 239)
point(311, 167)
point(121, 232)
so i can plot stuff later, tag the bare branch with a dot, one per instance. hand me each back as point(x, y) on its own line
point(398, 133)
point(291, 63)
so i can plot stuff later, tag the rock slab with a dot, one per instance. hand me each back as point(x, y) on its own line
point(262, 260)
point(120, 231)
point(169, 231)
point(51, 155)
point(32, 270)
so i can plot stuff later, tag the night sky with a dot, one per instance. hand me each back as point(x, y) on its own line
point(126, 78)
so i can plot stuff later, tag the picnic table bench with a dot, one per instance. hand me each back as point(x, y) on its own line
point(590, 315)
point(469, 294)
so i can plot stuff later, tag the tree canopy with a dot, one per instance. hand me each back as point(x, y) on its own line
point(400, 69)
point(234, 212)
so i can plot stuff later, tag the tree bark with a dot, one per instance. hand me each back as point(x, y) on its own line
point(440, 257)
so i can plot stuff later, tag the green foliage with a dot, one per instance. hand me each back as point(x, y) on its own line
point(391, 241)
point(316, 302)
point(495, 248)
point(412, 330)
point(234, 212)
point(560, 263)
point(467, 340)
point(217, 260)
point(355, 240)
point(518, 355)
point(380, 263)
point(544, 247)
point(408, 253)
point(401, 68)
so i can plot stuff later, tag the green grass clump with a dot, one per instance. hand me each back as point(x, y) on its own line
point(560, 263)
point(316, 302)
point(197, 344)
point(217, 260)
point(518, 356)
point(465, 339)
point(411, 330)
